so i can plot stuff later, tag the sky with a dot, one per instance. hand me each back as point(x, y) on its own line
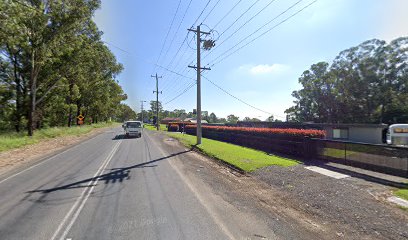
point(258, 79)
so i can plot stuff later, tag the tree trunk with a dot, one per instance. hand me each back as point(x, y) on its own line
point(69, 101)
point(18, 114)
point(33, 95)
point(78, 111)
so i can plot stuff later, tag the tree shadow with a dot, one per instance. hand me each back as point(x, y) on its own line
point(117, 175)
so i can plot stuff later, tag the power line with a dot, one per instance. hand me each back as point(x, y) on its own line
point(169, 70)
point(243, 25)
point(236, 20)
point(184, 41)
point(242, 101)
point(168, 31)
point(211, 11)
point(184, 91)
point(270, 29)
point(116, 47)
point(201, 12)
point(236, 4)
point(176, 80)
point(178, 28)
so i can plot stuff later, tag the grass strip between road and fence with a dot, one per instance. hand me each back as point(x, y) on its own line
point(13, 140)
point(163, 127)
point(243, 158)
point(402, 193)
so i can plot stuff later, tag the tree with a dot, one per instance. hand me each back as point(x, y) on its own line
point(364, 84)
point(212, 118)
point(232, 118)
point(55, 63)
point(246, 119)
point(270, 118)
point(125, 113)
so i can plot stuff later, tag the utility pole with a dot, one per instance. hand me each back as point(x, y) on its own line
point(199, 68)
point(142, 109)
point(157, 99)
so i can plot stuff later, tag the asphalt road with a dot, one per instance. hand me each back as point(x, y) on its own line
point(109, 187)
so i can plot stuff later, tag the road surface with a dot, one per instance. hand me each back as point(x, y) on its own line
point(109, 187)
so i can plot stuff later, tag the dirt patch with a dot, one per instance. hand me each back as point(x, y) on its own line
point(15, 158)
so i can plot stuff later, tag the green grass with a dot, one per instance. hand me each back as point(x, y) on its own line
point(402, 193)
point(12, 140)
point(336, 153)
point(152, 127)
point(244, 158)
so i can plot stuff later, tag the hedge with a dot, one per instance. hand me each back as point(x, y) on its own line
point(267, 132)
point(288, 141)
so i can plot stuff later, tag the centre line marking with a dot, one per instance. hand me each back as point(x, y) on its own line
point(82, 200)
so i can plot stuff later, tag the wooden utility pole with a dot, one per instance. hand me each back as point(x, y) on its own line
point(199, 68)
point(142, 109)
point(157, 99)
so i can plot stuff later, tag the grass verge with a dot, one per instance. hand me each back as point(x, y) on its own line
point(246, 159)
point(13, 140)
point(402, 193)
point(153, 128)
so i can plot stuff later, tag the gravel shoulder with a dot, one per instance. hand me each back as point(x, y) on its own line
point(356, 206)
point(297, 203)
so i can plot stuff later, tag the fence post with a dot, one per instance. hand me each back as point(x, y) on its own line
point(345, 153)
point(306, 148)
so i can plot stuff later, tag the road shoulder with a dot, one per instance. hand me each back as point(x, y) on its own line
point(16, 160)
point(318, 205)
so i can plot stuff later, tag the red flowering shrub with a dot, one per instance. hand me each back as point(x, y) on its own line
point(278, 132)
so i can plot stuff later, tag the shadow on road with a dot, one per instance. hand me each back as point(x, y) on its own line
point(116, 175)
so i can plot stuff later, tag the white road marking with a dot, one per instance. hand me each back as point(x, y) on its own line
point(82, 200)
point(399, 201)
point(44, 161)
point(326, 172)
point(207, 207)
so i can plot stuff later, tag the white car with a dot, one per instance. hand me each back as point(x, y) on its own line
point(133, 128)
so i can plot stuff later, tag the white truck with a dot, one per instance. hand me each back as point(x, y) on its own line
point(133, 128)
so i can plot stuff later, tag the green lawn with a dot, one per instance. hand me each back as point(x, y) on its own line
point(152, 127)
point(244, 158)
point(402, 193)
point(336, 153)
point(12, 140)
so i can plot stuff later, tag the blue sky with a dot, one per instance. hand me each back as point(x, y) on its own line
point(264, 73)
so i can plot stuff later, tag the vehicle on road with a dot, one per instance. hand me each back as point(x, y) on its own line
point(398, 135)
point(133, 128)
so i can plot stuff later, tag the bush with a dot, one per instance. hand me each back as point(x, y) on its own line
point(173, 128)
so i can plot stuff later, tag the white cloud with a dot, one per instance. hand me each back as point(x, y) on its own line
point(265, 68)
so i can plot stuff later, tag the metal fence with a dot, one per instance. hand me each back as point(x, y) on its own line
point(380, 158)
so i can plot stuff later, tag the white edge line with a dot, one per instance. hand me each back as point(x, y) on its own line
point(208, 208)
point(101, 168)
point(45, 160)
